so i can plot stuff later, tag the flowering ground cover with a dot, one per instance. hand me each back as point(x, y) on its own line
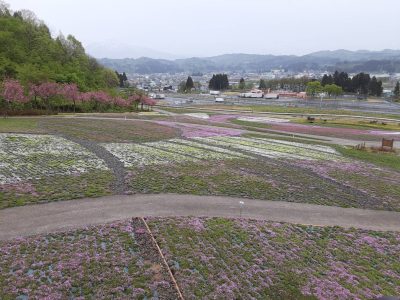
point(148, 157)
point(257, 168)
point(30, 156)
point(45, 167)
point(196, 130)
point(215, 258)
point(356, 134)
point(109, 130)
point(113, 261)
point(168, 152)
point(375, 182)
point(269, 179)
point(275, 148)
point(211, 258)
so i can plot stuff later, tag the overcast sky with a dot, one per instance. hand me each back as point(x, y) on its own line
point(212, 27)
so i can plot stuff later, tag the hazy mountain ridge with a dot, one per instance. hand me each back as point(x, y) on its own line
point(355, 61)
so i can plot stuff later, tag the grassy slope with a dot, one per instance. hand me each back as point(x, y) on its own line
point(28, 125)
point(383, 159)
point(215, 258)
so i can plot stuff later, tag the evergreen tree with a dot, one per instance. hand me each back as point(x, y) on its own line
point(124, 78)
point(360, 83)
point(218, 82)
point(189, 84)
point(326, 80)
point(262, 85)
point(396, 90)
point(375, 87)
point(242, 84)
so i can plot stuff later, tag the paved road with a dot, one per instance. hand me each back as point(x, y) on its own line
point(56, 216)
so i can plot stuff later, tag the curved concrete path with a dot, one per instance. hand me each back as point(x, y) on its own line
point(56, 216)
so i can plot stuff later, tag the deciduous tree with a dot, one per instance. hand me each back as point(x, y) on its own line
point(313, 88)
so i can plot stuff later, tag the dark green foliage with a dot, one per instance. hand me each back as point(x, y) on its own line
point(288, 84)
point(375, 87)
point(361, 83)
point(122, 79)
point(262, 85)
point(327, 80)
point(189, 84)
point(242, 84)
point(396, 90)
point(219, 82)
point(29, 53)
point(342, 79)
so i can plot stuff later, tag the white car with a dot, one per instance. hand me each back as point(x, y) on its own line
point(219, 100)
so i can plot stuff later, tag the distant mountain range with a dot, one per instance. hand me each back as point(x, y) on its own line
point(343, 60)
point(117, 49)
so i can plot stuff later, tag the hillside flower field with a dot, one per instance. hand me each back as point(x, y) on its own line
point(116, 260)
point(31, 156)
point(211, 258)
point(216, 258)
point(44, 167)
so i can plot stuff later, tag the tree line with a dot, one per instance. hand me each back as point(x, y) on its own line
point(56, 97)
point(361, 83)
point(219, 82)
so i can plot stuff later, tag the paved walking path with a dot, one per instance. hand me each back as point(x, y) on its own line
point(56, 216)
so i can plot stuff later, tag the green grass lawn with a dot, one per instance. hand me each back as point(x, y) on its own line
point(383, 159)
point(29, 125)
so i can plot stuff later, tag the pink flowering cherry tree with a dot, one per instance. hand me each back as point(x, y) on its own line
point(135, 100)
point(46, 91)
point(13, 92)
point(70, 92)
point(147, 101)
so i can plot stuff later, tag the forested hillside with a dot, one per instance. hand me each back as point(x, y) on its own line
point(348, 61)
point(29, 54)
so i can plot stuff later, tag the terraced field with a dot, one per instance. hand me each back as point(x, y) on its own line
point(36, 168)
point(205, 160)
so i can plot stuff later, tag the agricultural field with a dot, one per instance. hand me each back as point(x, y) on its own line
point(210, 258)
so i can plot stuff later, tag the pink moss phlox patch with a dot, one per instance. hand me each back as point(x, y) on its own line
point(194, 130)
point(20, 188)
point(222, 118)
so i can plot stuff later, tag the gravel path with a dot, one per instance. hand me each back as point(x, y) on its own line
point(57, 216)
point(116, 166)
